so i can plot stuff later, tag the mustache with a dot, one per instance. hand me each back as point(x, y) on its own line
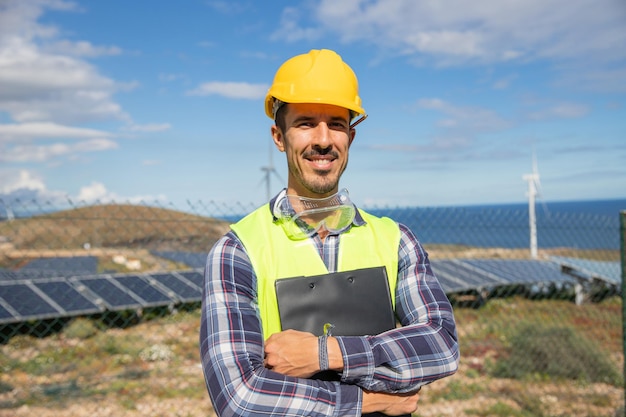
point(320, 152)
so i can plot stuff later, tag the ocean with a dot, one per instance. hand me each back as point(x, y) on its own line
point(590, 224)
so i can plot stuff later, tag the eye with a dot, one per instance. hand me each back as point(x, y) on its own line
point(338, 125)
point(304, 122)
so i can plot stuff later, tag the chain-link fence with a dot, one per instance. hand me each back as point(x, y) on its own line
point(99, 309)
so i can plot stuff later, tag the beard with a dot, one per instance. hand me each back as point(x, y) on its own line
point(317, 182)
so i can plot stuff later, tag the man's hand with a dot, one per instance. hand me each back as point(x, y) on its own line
point(292, 353)
point(390, 404)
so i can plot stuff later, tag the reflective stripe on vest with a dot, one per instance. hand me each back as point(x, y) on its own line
point(273, 255)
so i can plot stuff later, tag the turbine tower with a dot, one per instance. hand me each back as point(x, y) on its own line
point(269, 170)
point(534, 189)
point(9, 212)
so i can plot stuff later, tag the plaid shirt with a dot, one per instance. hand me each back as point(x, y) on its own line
point(423, 350)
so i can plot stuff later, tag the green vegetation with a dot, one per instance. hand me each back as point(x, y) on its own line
point(81, 328)
point(538, 351)
point(520, 358)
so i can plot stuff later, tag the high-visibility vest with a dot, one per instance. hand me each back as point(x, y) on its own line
point(274, 256)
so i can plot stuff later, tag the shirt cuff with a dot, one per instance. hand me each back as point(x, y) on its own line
point(358, 359)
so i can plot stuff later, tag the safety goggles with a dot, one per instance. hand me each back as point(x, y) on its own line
point(302, 217)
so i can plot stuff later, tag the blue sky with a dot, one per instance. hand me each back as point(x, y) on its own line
point(161, 101)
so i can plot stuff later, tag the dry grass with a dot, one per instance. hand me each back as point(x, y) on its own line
point(114, 226)
point(152, 368)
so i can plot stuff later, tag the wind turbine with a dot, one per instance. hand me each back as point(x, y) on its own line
point(534, 190)
point(9, 212)
point(269, 170)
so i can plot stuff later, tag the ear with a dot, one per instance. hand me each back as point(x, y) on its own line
point(277, 136)
point(352, 136)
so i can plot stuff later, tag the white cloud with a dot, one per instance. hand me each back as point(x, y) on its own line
point(561, 111)
point(42, 153)
point(603, 80)
point(468, 118)
point(96, 192)
point(49, 91)
point(35, 86)
point(42, 75)
point(171, 77)
point(23, 186)
point(20, 17)
point(81, 48)
point(21, 142)
point(236, 90)
point(22, 179)
point(289, 31)
point(227, 7)
point(504, 83)
point(458, 32)
point(154, 127)
point(46, 130)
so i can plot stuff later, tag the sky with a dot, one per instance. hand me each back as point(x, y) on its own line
point(161, 101)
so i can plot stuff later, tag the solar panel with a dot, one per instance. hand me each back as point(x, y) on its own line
point(27, 301)
point(194, 277)
point(61, 266)
point(112, 294)
point(5, 314)
point(151, 295)
point(603, 270)
point(67, 297)
point(519, 271)
point(465, 276)
point(7, 275)
point(184, 291)
point(25, 275)
point(191, 259)
point(450, 281)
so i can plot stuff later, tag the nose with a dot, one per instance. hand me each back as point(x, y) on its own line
point(322, 137)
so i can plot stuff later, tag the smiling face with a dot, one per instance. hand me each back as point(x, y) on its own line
point(316, 140)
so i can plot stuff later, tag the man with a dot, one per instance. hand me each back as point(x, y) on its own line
point(254, 367)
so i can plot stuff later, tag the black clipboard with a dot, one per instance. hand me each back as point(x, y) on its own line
point(356, 303)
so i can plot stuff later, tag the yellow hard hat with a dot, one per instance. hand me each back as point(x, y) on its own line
point(320, 76)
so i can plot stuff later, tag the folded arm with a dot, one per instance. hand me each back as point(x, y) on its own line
point(232, 350)
point(423, 349)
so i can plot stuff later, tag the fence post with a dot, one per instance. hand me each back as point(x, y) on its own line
point(622, 239)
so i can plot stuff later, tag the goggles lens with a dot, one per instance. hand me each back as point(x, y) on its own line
point(302, 217)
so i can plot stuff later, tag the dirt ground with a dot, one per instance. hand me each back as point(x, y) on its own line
point(550, 398)
point(172, 384)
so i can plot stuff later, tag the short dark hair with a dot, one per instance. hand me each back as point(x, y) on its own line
point(279, 119)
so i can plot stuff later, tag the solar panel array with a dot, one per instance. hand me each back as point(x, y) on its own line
point(19, 275)
point(44, 298)
point(610, 272)
point(191, 259)
point(52, 267)
point(31, 294)
point(459, 275)
point(73, 264)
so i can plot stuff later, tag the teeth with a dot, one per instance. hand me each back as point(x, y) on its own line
point(322, 161)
